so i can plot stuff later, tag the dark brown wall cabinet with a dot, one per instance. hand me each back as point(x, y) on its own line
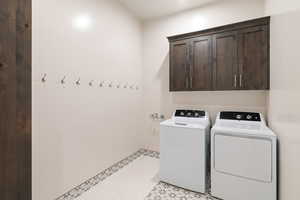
point(231, 57)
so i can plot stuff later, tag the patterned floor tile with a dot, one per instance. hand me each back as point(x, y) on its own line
point(164, 191)
point(87, 185)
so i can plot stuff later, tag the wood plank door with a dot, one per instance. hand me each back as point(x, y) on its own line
point(179, 66)
point(201, 64)
point(225, 68)
point(254, 58)
point(15, 100)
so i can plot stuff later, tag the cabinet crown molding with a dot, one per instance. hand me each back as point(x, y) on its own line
point(223, 28)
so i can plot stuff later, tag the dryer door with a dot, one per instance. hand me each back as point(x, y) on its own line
point(242, 156)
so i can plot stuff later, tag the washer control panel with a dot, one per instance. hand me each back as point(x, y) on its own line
point(190, 113)
point(245, 116)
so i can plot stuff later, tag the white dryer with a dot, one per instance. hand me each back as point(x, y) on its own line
point(243, 157)
point(184, 150)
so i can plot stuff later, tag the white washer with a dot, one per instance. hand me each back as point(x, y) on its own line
point(184, 150)
point(243, 157)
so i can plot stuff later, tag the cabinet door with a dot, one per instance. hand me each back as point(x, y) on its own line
point(225, 61)
point(254, 58)
point(201, 63)
point(179, 66)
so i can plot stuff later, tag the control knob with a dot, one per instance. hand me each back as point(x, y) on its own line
point(239, 117)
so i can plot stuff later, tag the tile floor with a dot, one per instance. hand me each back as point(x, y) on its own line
point(163, 191)
point(134, 178)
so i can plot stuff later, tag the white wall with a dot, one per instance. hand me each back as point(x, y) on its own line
point(79, 131)
point(284, 99)
point(156, 96)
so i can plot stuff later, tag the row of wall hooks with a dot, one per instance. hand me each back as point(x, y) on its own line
point(92, 83)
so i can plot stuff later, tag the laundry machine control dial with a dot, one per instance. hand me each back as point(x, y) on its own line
point(249, 117)
point(239, 117)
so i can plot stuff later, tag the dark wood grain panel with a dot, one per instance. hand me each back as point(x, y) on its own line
point(225, 61)
point(201, 65)
point(254, 59)
point(239, 56)
point(23, 114)
point(8, 137)
point(179, 66)
point(15, 100)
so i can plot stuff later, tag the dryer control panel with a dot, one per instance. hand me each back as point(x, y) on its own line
point(190, 113)
point(241, 116)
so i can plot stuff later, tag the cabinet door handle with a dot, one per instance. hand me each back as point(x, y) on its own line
point(235, 80)
point(186, 76)
point(191, 70)
point(186, 82)
point(241, 80)
point(191, 79)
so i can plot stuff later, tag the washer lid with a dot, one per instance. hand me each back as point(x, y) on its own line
point(172, 123)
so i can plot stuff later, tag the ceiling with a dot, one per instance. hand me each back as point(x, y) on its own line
point(148, 9)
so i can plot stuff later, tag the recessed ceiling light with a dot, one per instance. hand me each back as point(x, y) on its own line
point(82, 22)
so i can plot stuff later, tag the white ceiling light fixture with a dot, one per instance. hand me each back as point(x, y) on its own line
point(82, 22)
